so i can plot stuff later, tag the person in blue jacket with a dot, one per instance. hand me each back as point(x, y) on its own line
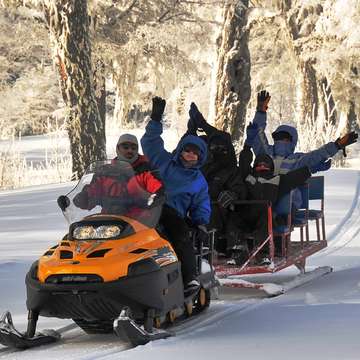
point(186, 189)
point(285, 139)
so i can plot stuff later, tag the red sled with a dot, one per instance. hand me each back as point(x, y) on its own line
point(292, 252)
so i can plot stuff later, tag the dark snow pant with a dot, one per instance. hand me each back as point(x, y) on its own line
point(177, 232)
point(227, 231)
point(252, 222)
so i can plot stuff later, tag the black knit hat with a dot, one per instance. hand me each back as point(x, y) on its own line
point(264, 162)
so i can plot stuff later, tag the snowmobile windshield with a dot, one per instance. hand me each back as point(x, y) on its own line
point(112, 187)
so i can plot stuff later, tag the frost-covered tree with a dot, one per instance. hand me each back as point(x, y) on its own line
point(68, 22)
point(153, 47)
point(135, 41)
point(233, 73)
point(306, 53)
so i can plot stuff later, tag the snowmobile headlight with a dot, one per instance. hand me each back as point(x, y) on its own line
point(84, 232)
point(107, 231)
point(101, 232)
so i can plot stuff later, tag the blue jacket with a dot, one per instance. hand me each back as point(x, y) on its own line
point(285, 159)
point(186, 188)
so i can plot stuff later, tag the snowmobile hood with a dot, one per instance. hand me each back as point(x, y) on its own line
point(195, 140)
point(292, 131)
point(105, 259)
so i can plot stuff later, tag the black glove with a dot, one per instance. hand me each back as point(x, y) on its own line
point(158, 107)
point(191, 127)
point(63, 202)
point(263, 98)
point(81, 200)
point(348, 139)
point(197, 116)
point(202, 235)
point(226, 198)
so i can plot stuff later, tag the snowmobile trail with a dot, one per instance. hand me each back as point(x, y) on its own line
point(348, 229)
point(77, 345)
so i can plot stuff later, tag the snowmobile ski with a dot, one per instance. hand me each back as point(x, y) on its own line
point(128, 330)
point(10, 337)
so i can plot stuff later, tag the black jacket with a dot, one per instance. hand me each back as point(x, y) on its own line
point(270, 187)
point(222, 173)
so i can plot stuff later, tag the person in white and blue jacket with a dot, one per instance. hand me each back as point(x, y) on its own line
point(186, 189)
point(285, 139)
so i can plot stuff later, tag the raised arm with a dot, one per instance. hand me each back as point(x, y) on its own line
point(260, 144)
point(151, 142)
point(200, 122)
point(313, 158)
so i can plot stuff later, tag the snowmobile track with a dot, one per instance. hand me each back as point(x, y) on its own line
point(185, 327)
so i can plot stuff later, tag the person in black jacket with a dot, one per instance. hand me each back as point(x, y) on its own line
point(224, 180)
point(262, 184)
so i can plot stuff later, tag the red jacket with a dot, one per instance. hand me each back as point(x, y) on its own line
point(135, 187)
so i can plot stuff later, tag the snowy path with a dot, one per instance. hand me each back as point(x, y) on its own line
point(304, 323)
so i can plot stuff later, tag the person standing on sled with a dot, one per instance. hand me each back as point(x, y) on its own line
point(224, 180)
point(185, 187)
point(285, 139)
point(128, 176)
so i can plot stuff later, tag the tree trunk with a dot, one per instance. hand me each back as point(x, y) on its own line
point(69, 27)
point(233, 74)
point(353, 121)
point(307, 93)
point(125, 80)
point(327, 101)
point(100, 91)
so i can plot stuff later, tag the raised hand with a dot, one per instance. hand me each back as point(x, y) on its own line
point(346, 140)
point(263, 98)
point(158, 107)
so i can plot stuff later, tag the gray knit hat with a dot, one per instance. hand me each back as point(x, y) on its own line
point(127, 138)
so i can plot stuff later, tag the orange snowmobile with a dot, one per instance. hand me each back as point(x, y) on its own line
point(112, 271)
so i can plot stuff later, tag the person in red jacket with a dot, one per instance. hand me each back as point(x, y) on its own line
point(125, 186)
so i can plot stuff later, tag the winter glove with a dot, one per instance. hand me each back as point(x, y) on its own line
point(202, 235)
point(348, 139)
point(321, 166)
point(226, 198)
point(197, 116)
point(263, 98)
point(191, 127)
point(158, 107)
point(251, 131)
point(63, 202)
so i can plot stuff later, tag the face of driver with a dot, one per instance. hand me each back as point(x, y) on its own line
point(127, 150)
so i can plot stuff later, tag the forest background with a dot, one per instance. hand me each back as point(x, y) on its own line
point(78, 72)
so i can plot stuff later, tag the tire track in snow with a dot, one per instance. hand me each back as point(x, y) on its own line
point(80, 346)
point(347, 230)
point(191, 326)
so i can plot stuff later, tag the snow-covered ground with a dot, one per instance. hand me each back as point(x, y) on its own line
point(316, 321)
